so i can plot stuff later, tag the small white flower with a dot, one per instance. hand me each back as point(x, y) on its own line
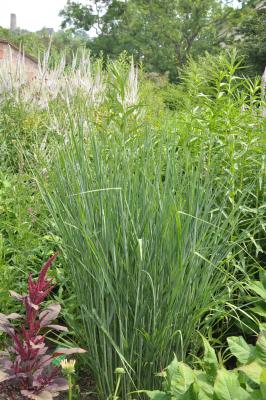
point(68, 366)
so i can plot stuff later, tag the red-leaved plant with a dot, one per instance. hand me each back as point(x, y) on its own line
point(26, 364)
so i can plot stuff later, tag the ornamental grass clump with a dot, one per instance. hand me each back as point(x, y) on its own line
point(26, 365)
point(149, 240)
point(153, 225)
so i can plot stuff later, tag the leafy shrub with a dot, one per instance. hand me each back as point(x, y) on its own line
point(24, 225)
point(22, 135)
point(174, 97)
point(214, 381)
point(222, 117)
point(257, 301)
point(26, 363)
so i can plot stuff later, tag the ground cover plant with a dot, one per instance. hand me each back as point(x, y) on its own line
point(213, 380)
point(25, 233)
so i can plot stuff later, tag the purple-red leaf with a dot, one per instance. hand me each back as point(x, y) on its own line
point(42, 275)
point(3, 319)
point(27, 360)
point(44, 395)
point(49, 314)
point(14, 316)
point(45, 360)
point(37, 346)
point(58, 328)
point(16, 295)
point(5, 325)
point(5, 364)
point(72, 350)
point(31, 304)
point(58, 384)
point(4, 376)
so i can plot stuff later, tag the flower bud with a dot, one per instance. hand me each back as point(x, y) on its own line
point(120, 371)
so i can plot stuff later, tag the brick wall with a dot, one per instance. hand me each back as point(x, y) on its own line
point(1, 51)
point(30, 65)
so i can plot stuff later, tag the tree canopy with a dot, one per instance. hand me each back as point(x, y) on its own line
point(252, 35)
point(162, 33)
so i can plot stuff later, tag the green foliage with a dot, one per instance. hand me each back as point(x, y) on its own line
point(37, 43)
point(245, 381)
point(252, 36)
point(160, 33)
point(158, 194)
point(22, 134)
point(24, 237)
point(164, 34)
point(213, 381)
point(257, 305)
point(81, 16)
point(155, 220)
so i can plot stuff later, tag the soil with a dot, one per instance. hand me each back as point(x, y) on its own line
point(11, 392)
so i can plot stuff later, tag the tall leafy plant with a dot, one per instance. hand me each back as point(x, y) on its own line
point(222, 116)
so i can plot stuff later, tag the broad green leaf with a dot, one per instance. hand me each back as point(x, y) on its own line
point(182, 379)
point(202, 387)
point(210, 359)
point(227, 386)
point(240, 349)
point(263, 376)
point(189, 395)
point(252, 371)
point(263, 384)
point(256, 395)
point(157, 395)
point(261, 349)
point(171, 369)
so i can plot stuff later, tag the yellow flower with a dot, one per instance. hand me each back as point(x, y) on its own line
point(68, 366)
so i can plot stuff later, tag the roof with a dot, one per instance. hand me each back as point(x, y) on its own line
point(4, 41)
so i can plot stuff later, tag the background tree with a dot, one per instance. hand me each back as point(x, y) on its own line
point(252, 35)
point(37, 43)
point(162, 33)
